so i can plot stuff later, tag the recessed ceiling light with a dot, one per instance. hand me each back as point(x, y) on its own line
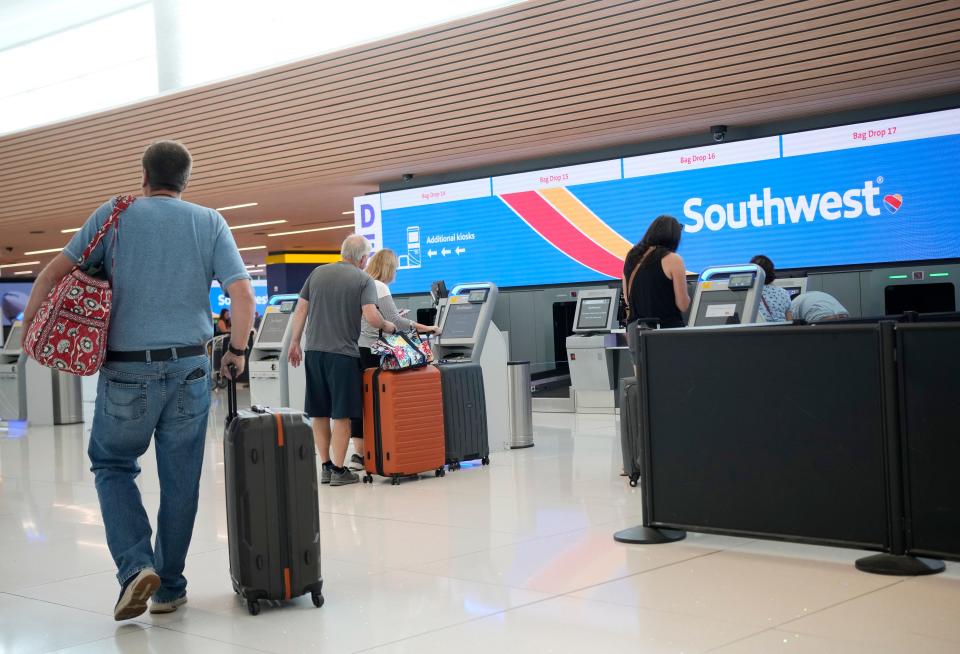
point(43, 251)
point(263, 224)
point(24, 272)
point(253, 247)
point(347, 213)
point(237, 206)
point(72, 230)
point(308, 231)
point(20, 265)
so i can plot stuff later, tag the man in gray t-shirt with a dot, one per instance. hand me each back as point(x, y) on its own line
point(334, 298)
point(817, 306)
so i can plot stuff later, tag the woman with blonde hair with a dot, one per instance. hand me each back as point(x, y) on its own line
point(383, 268)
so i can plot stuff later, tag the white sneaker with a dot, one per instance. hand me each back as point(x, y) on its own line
point(167, 607)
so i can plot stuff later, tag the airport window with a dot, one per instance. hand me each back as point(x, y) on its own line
point(106, 62)
point(106, 53)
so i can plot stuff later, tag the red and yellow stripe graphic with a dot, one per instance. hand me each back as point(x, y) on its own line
point(568, 225)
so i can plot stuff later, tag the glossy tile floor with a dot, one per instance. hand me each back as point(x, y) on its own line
point(515, 557)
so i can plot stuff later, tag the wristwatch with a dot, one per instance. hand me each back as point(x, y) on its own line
point(235, 350)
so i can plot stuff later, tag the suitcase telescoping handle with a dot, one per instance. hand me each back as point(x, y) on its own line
point(232, 393)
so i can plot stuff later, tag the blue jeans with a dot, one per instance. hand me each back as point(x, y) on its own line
point(169, 401)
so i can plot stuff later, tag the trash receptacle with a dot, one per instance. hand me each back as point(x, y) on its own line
point(67, 399)
point(519, 404)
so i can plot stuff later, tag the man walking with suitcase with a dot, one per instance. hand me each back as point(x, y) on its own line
point(335, 297)
point(155, 383)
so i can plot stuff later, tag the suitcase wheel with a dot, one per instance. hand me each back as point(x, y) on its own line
point(440, 472)
point(395, 481)
point(485, 460)
point(253, 607)
point(633, 480)
point(367, 479)
point(317, 599)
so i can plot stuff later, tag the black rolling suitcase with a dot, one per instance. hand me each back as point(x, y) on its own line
point(630, 428)
point(273, 514)
point(464, 413)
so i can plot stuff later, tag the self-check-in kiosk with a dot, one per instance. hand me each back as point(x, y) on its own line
point(468, 334)
point(13, 393)
point(293, 381)
point(465, 318)
point(593, 351)
point(266, 360)
point(727, 295)
point(29, 391)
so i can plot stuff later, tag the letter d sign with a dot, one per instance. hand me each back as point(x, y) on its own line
point(367, 215)
point(366, 219)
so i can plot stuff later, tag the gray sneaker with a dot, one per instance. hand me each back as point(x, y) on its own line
point(344, 478)
point(167, 607)
point(356, 462)
point(325, 475)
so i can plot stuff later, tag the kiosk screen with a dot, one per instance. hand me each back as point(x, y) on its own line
point(13, 340)
point(594, 313)
point(922, 298)
point(720, 308)
point(461, 320)
point(794, 291)
point(273, 327)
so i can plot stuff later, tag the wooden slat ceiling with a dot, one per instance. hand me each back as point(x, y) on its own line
point(534, 79)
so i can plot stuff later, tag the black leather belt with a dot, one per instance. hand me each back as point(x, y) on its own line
point(148, 356)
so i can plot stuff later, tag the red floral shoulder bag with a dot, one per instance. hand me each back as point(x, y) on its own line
point(69, 332)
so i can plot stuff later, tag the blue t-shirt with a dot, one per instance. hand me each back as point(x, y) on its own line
point(165, 256)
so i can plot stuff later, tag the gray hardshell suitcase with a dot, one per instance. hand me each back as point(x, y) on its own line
point(273, 516)
point(630, 428)
point(464, 413)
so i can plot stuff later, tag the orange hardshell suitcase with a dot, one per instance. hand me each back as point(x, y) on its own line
point(402, 423)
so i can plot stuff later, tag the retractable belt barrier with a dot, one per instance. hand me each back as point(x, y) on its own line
point(831, 434)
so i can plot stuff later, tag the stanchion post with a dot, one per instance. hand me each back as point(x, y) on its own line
point(645, 534)
point(896, 561)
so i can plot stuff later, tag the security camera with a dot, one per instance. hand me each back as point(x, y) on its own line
point(719, 133)
point(406, 177)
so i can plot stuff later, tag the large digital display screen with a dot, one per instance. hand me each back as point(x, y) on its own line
point(877, 192)
point(13, 300)
point(219, 299)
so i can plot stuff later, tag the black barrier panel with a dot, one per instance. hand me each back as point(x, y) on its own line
point(776, 432)
point(929, 358)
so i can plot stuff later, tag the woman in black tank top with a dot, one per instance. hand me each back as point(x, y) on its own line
point(649, 291)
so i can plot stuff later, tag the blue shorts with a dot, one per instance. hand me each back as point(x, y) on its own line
point(334, 386)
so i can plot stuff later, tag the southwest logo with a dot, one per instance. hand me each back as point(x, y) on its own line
point(893, 202)
point(765, 209)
